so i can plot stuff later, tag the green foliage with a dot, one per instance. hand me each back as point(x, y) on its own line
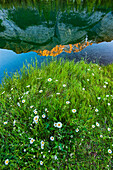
point(74, 149)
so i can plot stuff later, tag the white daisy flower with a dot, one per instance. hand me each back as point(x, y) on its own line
point(106, 82)
point(96, 110)
point(28, 86)
point(97, 124)
point(101, 136)
point(67, 102)
point(5, 123)
point(87, 79)
point(23, 101)
point(32, 140)
point(40, 91)
point(108, 104)
point(64, 85)
point(6, 161)
point(52, 138)
point(45, 109)
point(55, 157)
point(109, 129)
point(98, 97)
point(42, 146)
point(3, 92)
point(49, 79)
point(57, 93)
point(42, 143)
point(92, 74)
point(83, 88)
point(11, 88)
point(24, 150)
point(59, 124)
point(36, 119)
point(104, 86)
point(93, 126)
point(109, 151)
point(73, 110)
point(107, 95)
point(43, 115)
point(18, 104)
point(41, 163)
point(77, 130)
point(55, 124)
point(31, 107)
point(43, 156)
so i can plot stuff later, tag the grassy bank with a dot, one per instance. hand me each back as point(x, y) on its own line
point(57, 117)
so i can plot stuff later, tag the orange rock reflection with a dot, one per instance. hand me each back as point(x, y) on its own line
point(63, 48)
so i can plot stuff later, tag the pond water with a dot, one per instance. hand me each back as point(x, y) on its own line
point(28, 26)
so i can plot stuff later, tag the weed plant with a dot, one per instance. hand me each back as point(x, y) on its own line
point(58, 116)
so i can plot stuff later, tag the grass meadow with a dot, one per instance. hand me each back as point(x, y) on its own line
point(58, 116)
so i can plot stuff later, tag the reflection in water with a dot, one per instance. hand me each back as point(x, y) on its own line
point(38, 25)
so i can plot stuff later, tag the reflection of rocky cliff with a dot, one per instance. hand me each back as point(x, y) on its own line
point(37, 33)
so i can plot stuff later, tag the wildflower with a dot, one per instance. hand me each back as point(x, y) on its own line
point(101, 136)
point(98, 97)
point(92, 74)
point(52, 138)
point(107, 95)
point(96, 110)
point(97, 124)
point(106, 82)
point(18, 104)
point(40, 91)
point(93, 126)
point(64, 85)
point(99, 68)
point(55, 157)
point(42, 143)
point(5, 123)
point(43, 156)
point(55, 124)
point(9, 97)
point(56, 80)
point(108, 104)
point(28, 86)
point(87, 79)
point(42, 146)
point(14, 122)
point(109, 151)
point(6, 161)
point(59, 124)
point(27, 92)
point(23, 101)
point(35, 112)
point(11, 88)
point(3, 92)
point(43, 115)
point(73, 110)
point(104, 86)
point(33, 156)
point(32, 140)
point(21, 97)
point(109, 129)
point(57, 93)
point(77, 130)
point(88, 69)
point(31, 107)
point(24, 150)
point(41, 163)
point(83, 88)
point(45, 109)
point(49, 79)
point(36, 119)
point(67, 102)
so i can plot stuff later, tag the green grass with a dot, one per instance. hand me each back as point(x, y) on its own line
point(82, 149)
